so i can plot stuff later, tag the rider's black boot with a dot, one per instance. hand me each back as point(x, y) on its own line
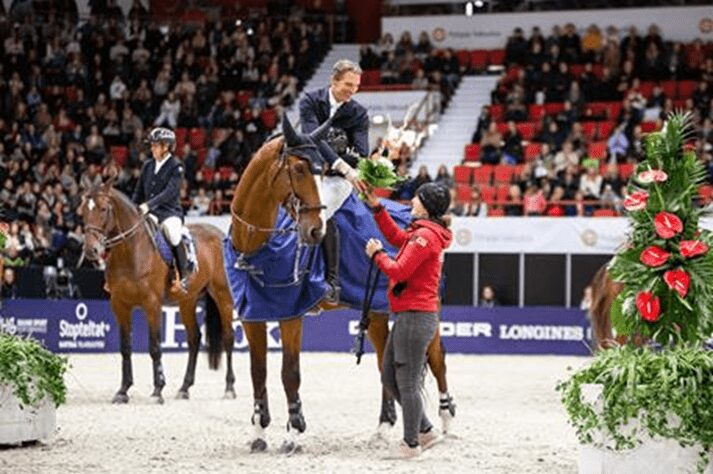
point(330, 247)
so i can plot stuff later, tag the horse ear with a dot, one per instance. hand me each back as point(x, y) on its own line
point(291, 138)
point(320, 132)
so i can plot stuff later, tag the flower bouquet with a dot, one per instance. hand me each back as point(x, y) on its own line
point(661, 392)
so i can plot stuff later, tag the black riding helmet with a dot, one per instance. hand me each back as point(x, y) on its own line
point(162, 134)
point(435, 197)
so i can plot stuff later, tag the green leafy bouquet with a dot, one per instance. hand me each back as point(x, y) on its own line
point(379, 173)
point(32, 371)
point(667, 272)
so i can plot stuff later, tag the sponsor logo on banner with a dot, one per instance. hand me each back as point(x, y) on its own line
point(82, 332)
point(589, 237)
point(24, 326)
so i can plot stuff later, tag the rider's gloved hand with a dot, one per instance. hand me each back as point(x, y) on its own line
point(350, 173)
point(144, 208)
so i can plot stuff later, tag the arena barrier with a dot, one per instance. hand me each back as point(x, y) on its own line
point(81, 326)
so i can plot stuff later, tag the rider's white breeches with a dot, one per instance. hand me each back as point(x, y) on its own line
point(172, 228)
point(335, 190)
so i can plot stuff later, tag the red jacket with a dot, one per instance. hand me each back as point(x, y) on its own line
point(418, 263)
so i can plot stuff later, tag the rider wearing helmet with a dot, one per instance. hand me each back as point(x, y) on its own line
point(157, 192)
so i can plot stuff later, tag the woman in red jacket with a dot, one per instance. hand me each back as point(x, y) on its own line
point(414, 278)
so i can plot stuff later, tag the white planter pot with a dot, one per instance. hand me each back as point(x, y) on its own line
point(653, 456)
point(29, 423)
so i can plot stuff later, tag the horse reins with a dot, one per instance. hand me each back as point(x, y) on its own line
point(293, 203)
point(110, 242)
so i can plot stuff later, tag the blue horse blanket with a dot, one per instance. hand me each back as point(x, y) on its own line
point(284, 280)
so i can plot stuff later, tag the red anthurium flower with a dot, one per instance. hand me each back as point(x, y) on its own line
point(652, 176)
point(649, 306)
point(692, 248)
point(654, 256)
point(636, 201)
point(678, 280)
point(667, 225)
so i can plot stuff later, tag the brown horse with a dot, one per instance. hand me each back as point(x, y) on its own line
point(273, 177)
point(136, 275)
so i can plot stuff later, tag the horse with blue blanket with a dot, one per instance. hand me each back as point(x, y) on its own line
point(276, 273)
point(137, 275)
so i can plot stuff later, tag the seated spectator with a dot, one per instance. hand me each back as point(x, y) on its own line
point(487, 297)
point(9, 285)
point(422, 177)
point(444, 177)
point(490, 145)
point(484, 121)
point(512, 151)
point(200, 204)
point(534, 202)
point(217, 206)
point(590, 184)
point(514, 201)
point(476, 207)
point(552, 135)
point(555, 207)
point(457, 207)
point(12, 258)
point(618, 143)
point(612, 179)
point(567, 156)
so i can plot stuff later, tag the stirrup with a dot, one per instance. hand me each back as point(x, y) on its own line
point(332, 295)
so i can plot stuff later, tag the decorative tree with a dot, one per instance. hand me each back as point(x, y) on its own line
point(667, 268)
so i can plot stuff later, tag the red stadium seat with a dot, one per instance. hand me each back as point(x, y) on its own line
point(497, 112)
point(208, 174)
point(576, 70)
point(463, 193)
point(503, 128)
point(462, 174)
point(269, 118)
point(598, 109)
point(243, 98)
point(647, 88)
point(526, 129)
point(536, 112)
point(196, 138)
point(225, 172)
point(605, 129)
point(463, 56)
point(648, 127)
point(496, 57)
point(371, 77)
point(553, 108)
point(200, 156)
point(598, 70)
point(483, 174)
point(626, 170)
point(487, 193)
point(181, 136)
point(496, 212)
point(119, 154)
point(472, 152)
point(669, 88)
point(501, 192)
point(614, 109)
point(686, 88)
point(532, 151)
point(503, 173)
point(589, 129)
point(597, 150)
point(604, 213)
point(479, 59)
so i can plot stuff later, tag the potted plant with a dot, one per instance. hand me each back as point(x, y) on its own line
point(31, 387)
point(648, 404)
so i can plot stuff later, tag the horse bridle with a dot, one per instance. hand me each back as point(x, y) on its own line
point(110, 242)
point(292, 203)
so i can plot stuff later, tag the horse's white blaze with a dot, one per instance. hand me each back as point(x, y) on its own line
point(91, 205)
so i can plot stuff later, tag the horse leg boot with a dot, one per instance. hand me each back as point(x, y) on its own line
point(291, 334)
point(256, 334)
point(330, 247)
point(127, 378)
point(436, 354)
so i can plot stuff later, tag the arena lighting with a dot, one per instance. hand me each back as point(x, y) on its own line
point(238, 22)
point(479, 3)
point(249, 31)
point(468, 8)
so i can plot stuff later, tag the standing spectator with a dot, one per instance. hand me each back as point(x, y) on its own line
point(444, 177)
point(9, 286)
point(476, 207)
point(487, 297)
point(534, 202)
point(490, 145)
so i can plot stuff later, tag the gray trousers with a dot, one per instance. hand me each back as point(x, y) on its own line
point(404, 361)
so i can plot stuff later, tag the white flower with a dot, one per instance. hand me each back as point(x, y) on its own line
point(382, 161)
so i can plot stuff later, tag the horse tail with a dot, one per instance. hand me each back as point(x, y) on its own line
point(214, 330)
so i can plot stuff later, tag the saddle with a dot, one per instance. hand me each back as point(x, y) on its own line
point(164, 247)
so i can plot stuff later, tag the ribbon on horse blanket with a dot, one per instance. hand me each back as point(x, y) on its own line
point(280, 281)
point(277, 283)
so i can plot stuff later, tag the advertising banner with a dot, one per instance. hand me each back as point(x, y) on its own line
point(88, 326)
point(491, 31)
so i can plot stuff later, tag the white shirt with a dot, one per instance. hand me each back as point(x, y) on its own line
point(160, 163)
point(333, 104)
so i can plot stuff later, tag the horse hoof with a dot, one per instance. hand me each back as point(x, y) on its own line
point(157, 399)
point(290, 448)
point(120, 399)
point(182, 395)
point(380, 439)
point(258, 445)
point(229, 394)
